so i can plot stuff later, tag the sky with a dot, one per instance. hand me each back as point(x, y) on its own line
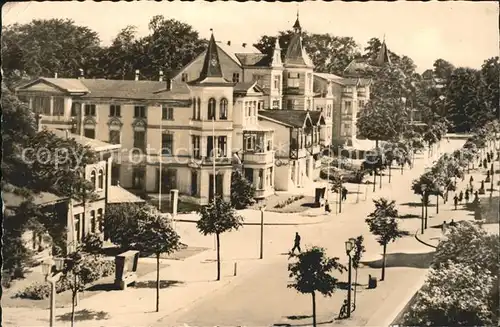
point(461, 32)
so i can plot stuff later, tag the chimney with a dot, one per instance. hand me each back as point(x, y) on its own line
point(137, 74)
point(81, 74)
point(168, 79)
point(55, 75)
point(244, 45)
point(161, 76)
point(228, 42)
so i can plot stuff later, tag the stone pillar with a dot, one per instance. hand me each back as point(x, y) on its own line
point(174, 199)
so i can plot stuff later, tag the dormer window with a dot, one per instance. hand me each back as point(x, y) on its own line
point(223, 109)
point(211, 108)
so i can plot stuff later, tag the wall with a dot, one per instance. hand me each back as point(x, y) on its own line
point(281, 142)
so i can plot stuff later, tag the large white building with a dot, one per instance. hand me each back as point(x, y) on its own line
point(231, 105)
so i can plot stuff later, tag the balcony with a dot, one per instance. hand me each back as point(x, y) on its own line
point(258, 158)
point(208, 125)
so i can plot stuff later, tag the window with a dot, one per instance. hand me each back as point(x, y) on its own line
point(93, 178)
point(100, 179)
point(211, 108)
point(236, 77)
point(293, 80)
point(194, 183)
point(100, 218)
point(114, 137)
point(195, 143)
point(41, 105)
point(115, 174)
point(256, 78)
point(260, 105)
point(222, 146)
point(310, 80)
point(89, 132)
point(77, 228)
point(58, 106)
point(268, 177)
point(329, 110)
point(249, 142)
point(292, 104)
point(74, 109)
point(137, 178)
point(271, 176)
point(261, 179)
point(90, 110)
point(348, 108)
point(210, 146)
point(249, 174)
point(139, 139)
point(196, 109)
point(139, 112)
point(276, 104)
point(167, 113)
point(92, 221)
point(308, 104)
point(361, 104)
point(223, 109)
point(269, 145)
point(167, 144)
point(184, 77)
point(114, 110)
point(276, 82)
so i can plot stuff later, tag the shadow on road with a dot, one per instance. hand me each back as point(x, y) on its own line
point(413, 260)
point(152, 283)
point(84, 315)
point(409, 216)
point(416, 204)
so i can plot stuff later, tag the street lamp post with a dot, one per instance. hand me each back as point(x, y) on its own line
point(340, 194)
point(262, 209)
point(47, 267)
point(349, 245)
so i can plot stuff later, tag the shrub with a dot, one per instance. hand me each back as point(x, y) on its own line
point(242, 191)
point(35, 291)
point(92, 243)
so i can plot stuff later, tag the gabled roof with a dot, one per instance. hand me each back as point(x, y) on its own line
point(94, 144)
point(357, 66)
point(243, 88)
point(356, 81)
point(317, 117)
point(211, 72)
point(327, 76)
point(254, 59)
point(13, 200)
point(296, 54)
point(123, 89)
point(118, 194)
point(237, 48)
point(289, 118)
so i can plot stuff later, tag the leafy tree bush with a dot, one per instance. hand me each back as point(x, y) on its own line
point(92, 243)
point(216, 218)
point(242, 191)
point(312, 273)
point(120, 223)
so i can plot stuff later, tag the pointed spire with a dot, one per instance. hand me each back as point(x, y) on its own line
point(296, 27)
point(211, 71)
point(277, 55)
point(383, 55)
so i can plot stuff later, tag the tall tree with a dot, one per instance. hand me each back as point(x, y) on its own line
point(312, 273)
point(155, 235)
point(382, 223)
point(121, 224)
point(45, 47)
point(216, 218)
point(443, 69)
point(123, 54)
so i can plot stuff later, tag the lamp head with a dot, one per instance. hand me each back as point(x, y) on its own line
point(47, 266)
point(348, 246)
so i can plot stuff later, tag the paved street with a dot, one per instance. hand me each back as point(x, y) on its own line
point(258, 295)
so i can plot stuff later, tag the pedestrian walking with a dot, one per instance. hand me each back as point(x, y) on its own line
point(344, 194)
point(327, 207)
point(443, 226)
point(296, 243)
point(471, 188)
point(471, 180)
point(461, 197)
point(467, 196)
point(455, 201)
point(453, 223)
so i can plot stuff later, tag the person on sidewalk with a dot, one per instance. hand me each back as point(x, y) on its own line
point(327, 207)
point(344, 194)
point(467, 196)
point(443, 227)
point(471, 180)
point(453, 223)
point(461, 197)
point(296, 243)
point(455, 201)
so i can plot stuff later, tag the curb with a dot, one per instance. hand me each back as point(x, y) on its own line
point(258, 224)
point(424, 243)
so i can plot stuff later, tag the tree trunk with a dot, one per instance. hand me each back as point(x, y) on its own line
point(380, 185)
point(355, 286)
point(218, 255)
point(437, 204)
point(389, 173)
point(383, 263)
point(376, 144)
point(73, 309)
point(314, 308)
point(157, 282)
point(374, 179)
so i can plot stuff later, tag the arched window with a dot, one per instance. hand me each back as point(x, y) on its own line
point(211, 108)
point(101, 179)
point(223, 109)
point(100, 221)
point(198, 109)
point(93, 178)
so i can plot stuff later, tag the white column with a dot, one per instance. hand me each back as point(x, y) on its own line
point(68, 102)
point(51, 106)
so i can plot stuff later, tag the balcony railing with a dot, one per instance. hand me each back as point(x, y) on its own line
point(259, 158)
